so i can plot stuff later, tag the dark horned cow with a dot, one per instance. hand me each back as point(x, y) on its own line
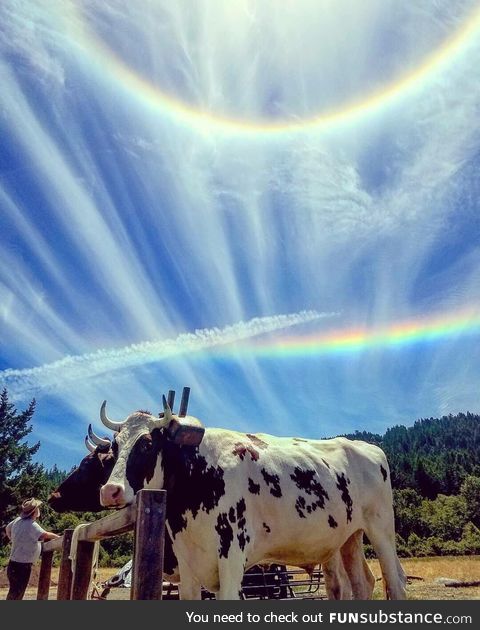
point(236, 500)
point(80, 491)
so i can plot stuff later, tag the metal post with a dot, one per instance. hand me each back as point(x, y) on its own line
point(171, 398)
point(184, 402)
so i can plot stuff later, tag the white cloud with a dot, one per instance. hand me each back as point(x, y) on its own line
point(21, 383)
point(169, 227)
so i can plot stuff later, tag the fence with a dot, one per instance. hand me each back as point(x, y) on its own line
point(146, 517)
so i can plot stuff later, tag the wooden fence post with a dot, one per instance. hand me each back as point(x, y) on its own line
point(149, 540)
point(83, 569)
point(65, 575)
point(45, 575)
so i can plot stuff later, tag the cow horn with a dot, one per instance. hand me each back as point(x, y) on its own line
point(89, 446)
point(97, 440)
point(166, 410)
point(110, 424)
point(165, 416)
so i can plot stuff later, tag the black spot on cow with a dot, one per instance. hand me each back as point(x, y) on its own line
point(193, 484)
point(342, 485)
point(241, 508)
point(257, 441)
point(326, 463)
point(253, 487)
point(305, 481)
point(170, 563)
point(332, 522)
point(242, 449)
point(141, 462)
point(231, 515)
point(384, 472)
point(273, 482)
point(300, 506)
point(242, 536)
point(266, 528)
point(243, 539)
point(225, 533)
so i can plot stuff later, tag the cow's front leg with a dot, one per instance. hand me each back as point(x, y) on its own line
point(230, 572)
point(189, 587)
point(337, 583)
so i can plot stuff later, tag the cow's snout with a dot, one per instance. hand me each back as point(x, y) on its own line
point(112, 495)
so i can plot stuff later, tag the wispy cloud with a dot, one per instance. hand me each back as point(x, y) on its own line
point(124, 224)
point(77, 368)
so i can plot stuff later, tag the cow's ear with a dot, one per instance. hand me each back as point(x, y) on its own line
point(185, 431)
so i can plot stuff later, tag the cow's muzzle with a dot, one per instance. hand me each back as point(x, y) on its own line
point(112, 495)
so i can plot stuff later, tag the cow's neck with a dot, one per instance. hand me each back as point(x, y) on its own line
point(193, 484)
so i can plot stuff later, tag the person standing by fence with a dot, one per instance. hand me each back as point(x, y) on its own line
point(26, 535)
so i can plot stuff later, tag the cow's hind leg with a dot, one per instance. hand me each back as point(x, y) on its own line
point(381, 533)
point(361, 578)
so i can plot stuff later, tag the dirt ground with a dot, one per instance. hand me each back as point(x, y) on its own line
point(429, 569)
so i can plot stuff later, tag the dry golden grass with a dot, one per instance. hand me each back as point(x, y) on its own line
point(463, 568)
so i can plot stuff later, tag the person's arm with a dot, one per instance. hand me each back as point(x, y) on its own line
point(38, 533)
point(8, 531)
point(48, 536)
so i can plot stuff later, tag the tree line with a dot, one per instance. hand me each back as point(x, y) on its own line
point(434, 467)
point(21, 478)
point(435, 473)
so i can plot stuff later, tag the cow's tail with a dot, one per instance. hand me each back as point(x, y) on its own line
point(401, 574)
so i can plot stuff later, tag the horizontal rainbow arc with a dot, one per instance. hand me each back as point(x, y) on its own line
point(358, 340)
point(203, 120)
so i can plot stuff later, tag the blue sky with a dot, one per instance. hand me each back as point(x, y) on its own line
point(170, 184)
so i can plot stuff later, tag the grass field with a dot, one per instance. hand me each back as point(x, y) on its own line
point(465, 568)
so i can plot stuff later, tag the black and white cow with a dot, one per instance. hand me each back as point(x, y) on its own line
point(80, 492)
point(236, 500)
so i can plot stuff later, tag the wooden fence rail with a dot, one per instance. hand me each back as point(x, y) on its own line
point(146, 517)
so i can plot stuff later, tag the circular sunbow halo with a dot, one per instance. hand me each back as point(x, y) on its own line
point(204, 120)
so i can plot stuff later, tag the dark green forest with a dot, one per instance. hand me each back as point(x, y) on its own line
point(435, 472)
point(434, 465)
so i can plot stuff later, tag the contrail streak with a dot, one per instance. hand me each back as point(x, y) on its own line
point(51, 376)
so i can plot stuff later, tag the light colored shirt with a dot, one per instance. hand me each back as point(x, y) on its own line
point(24, 534)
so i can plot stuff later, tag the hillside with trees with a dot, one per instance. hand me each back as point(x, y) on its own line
point(435, 472)
point(434, 464)
point(434, 456)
